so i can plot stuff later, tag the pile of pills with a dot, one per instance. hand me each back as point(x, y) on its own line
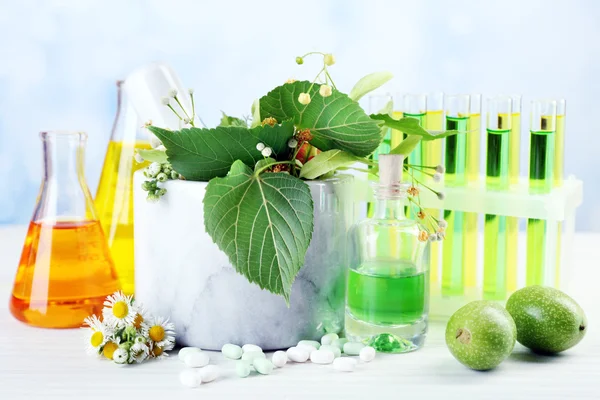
point(331, 350)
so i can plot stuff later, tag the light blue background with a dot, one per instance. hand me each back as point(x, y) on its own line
point(59, 61)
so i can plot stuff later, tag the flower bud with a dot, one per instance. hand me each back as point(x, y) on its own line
point(292, 143)
point(440, 195)
point(442, 223)
point(291, 80)
point(437, 177)
point(304, 98)
point(191, 91)
point(260, 146)
point(154, 169)
point(329, 59)
point(162, 177)
point(165, 100)
point(325, 90)
point(161, 192)
point(172, 92)
point(266, 152)
point(299, 60)
point(174, 175)
point(440, 168)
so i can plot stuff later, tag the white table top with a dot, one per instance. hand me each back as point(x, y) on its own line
point(52, 364)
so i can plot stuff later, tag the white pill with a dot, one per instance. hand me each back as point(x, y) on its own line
point(196, 359)
point(367, 354)
point(345, 364)
point(340, 343)
point(336, 350)
point(190, 378)
point(209, 373)
point(251, 347)
point(322, 356)
point(353, 348)
point(242, 368)
point(329, 338)
point(185, 351)
point(263, 366)
point(312, 343)
point(232, 351)
point(297, 354)
point(251, 355)
point(279, 358)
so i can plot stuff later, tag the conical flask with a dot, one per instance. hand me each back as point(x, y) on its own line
point(114, 197)
point(66, 270)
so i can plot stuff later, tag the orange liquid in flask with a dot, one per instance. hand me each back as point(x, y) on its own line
point(64, 274)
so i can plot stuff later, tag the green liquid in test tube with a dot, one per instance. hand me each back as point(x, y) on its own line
point(541, 171)
point(457, 118)
point(497, 178)
point(415, 106)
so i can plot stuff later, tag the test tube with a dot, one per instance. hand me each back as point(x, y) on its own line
point(457, 117)
point(432, 156)
point(397, 113)
point(541, 171)
point(415, 106)
point(378, 104)
point(559, 157)
point(472, 167)
point(512, 223)
point(499, 119)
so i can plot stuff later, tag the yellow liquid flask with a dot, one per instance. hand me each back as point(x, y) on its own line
point(114, 197)
point(66, 270)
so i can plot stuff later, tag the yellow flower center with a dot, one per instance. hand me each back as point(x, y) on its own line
point(137, 322)
point(157, 351)
point(157, 333)
point(96, 339)
point(109, 350)
point(120, 309)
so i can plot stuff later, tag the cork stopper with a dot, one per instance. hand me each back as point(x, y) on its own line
point(390, 169)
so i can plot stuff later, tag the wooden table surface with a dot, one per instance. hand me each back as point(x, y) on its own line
point(52, 364)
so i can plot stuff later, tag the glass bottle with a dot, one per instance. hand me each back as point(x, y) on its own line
point(114, 197)
point(387, 296)
point(66, 270)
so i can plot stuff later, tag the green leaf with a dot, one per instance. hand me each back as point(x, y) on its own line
point(262, 222)
point(256, 121)
point(263, 163)
point(407, 145)
point(336, 121)
point(327, 161)
point(153, 155)
point(411, 126)
point(369, 83)
point(227, 120)
point(202, 154)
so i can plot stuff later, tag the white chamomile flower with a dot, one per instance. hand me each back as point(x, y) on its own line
point(260, 146)
point(96, 334)
point(325, 90)
point(160, 332)
point(172, 92)
point(138, 352)
point(108, 350)
point(266, 152)
point(121, 356)
point(155, 142)
point(119, 310)
point(165, 100)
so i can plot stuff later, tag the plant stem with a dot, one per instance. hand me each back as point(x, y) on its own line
point(329, 76)
point(175, 112)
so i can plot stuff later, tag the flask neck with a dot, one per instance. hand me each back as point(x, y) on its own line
point(389, 202)
point(127, 127)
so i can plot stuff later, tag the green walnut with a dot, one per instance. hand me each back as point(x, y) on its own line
point(548, 321)
point(481, 335)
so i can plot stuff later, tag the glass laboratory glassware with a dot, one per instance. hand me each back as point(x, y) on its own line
point(387, 296)
point(66, 270)
point(114, 197)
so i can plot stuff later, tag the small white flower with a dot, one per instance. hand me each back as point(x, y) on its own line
point(120, 356)
point(96, 334)
point(165, 100)
point(139, 351)
point(260, 146)
point(442, 223)
point(325, 90)
point(437, 177)
point(119, 311)
point(186, 120)
point(160, 332)
point(266, 152)
point(304, 98)
point(138, 158)
point(155, 142)
point(440, 168)
point(432, 238)
point(172, 93)
point(154, 169)
point(191, 91)
point(292, 143)
point(440, 195)
point(329, 59)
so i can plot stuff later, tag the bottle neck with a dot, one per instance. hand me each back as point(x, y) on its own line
point(389, 208)
point(127, 127)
